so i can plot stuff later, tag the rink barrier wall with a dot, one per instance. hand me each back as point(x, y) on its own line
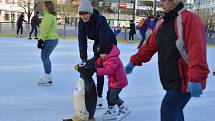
point(70, 32)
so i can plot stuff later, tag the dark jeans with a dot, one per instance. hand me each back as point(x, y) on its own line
point(33, 29)
point(18, 28)
point(113, 97)
point(173, 104)
point(142, 40)
point(100, 84)
point(131, 36)
point(48, 48)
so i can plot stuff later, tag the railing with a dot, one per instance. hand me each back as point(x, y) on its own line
point(68, 30)
point(8, 28)
point(65, 30)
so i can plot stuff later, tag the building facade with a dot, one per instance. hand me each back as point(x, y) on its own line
point(11, 9)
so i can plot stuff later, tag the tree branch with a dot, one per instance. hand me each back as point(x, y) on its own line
point(22, 7)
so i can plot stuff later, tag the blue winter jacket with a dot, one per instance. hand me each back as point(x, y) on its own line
point(96, 29)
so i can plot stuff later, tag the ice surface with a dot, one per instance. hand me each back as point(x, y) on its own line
point(21, 99)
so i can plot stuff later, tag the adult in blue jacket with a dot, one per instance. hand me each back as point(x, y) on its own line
point(93, 26)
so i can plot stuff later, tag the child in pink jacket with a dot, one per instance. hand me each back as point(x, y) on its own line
point(110, 64)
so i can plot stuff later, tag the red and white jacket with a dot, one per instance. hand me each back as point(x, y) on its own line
point(191, 44)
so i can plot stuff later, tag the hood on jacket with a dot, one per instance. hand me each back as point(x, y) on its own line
point(114, 52)
point(104, 47)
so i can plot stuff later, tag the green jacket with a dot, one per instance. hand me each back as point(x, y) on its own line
point(48, 28)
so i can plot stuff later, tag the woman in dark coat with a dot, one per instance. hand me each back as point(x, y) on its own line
point(94, 26)
point(132, 30)
point(19, 24)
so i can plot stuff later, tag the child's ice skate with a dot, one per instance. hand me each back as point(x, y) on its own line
point(123, 112)
point(110, 114)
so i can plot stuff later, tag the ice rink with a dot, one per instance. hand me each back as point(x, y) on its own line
point(21, 99)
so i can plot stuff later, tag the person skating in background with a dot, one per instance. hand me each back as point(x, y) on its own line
point(182, 60)
point(19, 25)
point(110, 64)
point(132, 31)
point(143, 29)
point(153, 22)
point(35, 21)
point(207, 31)
point(48, 40)
point(117, 30)
point(94, 26)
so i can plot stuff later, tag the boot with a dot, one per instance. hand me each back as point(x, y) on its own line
point(123, 112)
point(99, 103)
point(110, 114)
point(46, 80)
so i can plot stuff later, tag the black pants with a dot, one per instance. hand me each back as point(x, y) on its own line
point(173, 104)
point(113, 97)
point(131, 36)
point(100, 84)
point(18, 28)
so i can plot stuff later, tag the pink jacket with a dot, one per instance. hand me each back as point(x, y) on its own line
point(113, 68)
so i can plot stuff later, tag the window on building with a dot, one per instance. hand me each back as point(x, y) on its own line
point(18, 15)
point(7, 17)
point(12, 17)
point(8, 1)
point(13, 1)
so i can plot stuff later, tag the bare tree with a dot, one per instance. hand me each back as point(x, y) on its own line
point(208, 19)
point(149, 5)
point(75, 4)
point(28, 7)
point(103, 6)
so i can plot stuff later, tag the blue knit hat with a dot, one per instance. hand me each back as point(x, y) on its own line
point(85, 6)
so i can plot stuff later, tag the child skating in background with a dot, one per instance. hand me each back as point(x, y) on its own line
point(117, 30)
point(110, 64)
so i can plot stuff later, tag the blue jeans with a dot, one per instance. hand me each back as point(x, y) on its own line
point(142, 40)
point(173, 104)
point(48, 48)
point(33, 29)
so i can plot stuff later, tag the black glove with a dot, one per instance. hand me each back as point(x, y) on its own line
point(92, 61)
point(40, 44)
point(84, 60)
